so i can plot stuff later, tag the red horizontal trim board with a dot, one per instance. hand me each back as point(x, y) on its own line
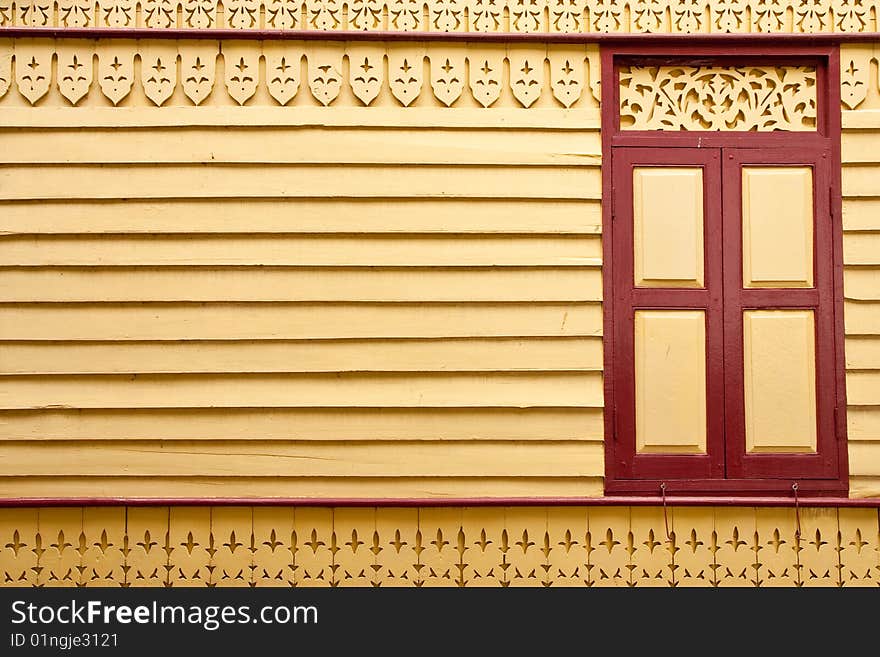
point(352, 35)
point(868, 502)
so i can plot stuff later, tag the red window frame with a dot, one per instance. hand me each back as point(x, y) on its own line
point(726, 469)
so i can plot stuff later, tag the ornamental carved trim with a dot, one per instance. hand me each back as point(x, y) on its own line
point(480, 16)
point(744, 98)
point(69, 72)
point(471, 547)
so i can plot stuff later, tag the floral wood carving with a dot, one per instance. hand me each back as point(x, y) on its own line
point(718, 98)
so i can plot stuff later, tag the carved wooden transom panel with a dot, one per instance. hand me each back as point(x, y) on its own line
point(741, 98)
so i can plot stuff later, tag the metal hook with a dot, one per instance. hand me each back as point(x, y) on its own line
point(797, 511)
point(665, 516)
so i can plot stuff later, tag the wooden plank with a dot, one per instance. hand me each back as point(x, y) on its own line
point(861, 317)
point(296, 321)
point(864, 487)
point(303, 390)
point(300, 145)
point(864, 458)
point(555, 118)
point(861, 180)
point(310, 459)
point(859, 146)
point(863, 422)
point(863, 388)
point(311, 487)
point(861, 119)
point(38, 182)
point(862, 283)
point(368, 424)
point(231, 284)
point(292, 215)
point(414, 250)
point(861, 248)
point(495, 354)
point(861, 214)
point(863, 353)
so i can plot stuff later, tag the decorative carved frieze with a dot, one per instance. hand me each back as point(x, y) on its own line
point(478, 16)
point(357, 73)
point(541, 547)
point(760, 98)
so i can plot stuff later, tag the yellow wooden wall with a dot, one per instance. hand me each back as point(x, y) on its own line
point(861, 246)
point(249, 299)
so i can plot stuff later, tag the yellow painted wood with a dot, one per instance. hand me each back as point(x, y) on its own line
point(777, 226)
point(189, 545)
point(78, 182)
point(469, 354)
point(780, 381)
point(860, 552)
point(354, 530)
point(399, 534)
point(567, 537)
point(861, 213)
point(463, 547)
point(116, 284)
point(103, 559)
point(313, 487)
point(670, 375)
point(548, 118)
point(652, 549)
point(413, 250)
point(304, 424)
point(861, 318)
point(308, 459)
point(776, 560)
point(863, 387)
point(856, 147)
point(301, 145)
point(818, 558)
point(60, 531)
point(859, 180)
point(611, 544)
point(295, 321)
point(861, 283)
point(149, 545)
point(293, 215)
point(272, 533)
point(312, 547)
point(693, 528)
point(861, 248)
point(668, 226)
point(19, 554)
point(860, 487)
point(302, 390)
point(863, 422)
point(864, 458)
point(734, 541)
point(529, 551)
point(232, 560)
point(862, 353)
point(863, 119)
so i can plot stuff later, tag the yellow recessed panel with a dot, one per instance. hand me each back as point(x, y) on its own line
point(777, 209)
point(670, 370)
point(668, 226)
point(780, 381)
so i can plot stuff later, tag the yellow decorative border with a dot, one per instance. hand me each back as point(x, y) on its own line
point(480, 16)
point(523, 546)
point(283, 72)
